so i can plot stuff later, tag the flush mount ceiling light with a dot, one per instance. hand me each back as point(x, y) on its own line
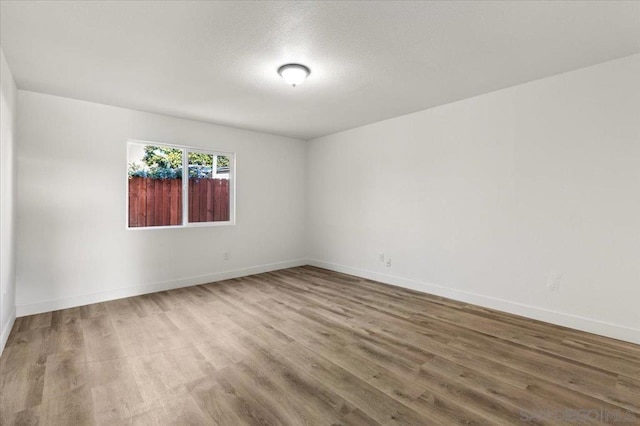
point(294, 74)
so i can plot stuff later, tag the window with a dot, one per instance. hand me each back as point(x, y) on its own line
point(170, 185)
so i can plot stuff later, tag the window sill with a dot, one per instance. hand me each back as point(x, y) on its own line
point(189, 225)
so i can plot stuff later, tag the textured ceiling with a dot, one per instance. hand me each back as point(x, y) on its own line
point(370, 61)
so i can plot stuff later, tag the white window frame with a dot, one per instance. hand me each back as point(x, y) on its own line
point(185, 186)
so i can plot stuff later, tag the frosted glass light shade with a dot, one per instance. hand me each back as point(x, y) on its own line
point(294, 74)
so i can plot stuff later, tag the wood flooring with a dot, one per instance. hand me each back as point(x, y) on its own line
point(309, 346)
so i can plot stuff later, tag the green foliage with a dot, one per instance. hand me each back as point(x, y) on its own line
point(168, 158)
point(155, 172)
point(166, 163)
point(223, 161)
point(200, 159)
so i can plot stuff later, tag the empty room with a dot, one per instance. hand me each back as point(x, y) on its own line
point(319, 212)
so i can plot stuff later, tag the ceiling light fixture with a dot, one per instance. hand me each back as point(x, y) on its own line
point(294, 74)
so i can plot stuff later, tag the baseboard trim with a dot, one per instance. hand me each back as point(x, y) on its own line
point(6, 330)
point(588, 325)
point(86, 299)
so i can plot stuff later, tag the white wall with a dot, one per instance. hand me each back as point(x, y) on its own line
point(486, 199)
point(73, 247)
point(8, 126)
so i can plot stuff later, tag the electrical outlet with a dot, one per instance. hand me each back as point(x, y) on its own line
point(381, 257)
point(227, 255)
point(388, 263)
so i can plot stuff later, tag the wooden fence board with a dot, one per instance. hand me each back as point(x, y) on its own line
point(157, 211)
point(158, 202)
point(202, 193)
point(176, 201)
point(133, 204)
point(142, 203)
point(150, 204)
point(209, 192)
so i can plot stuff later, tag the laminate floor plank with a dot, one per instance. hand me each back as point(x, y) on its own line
point(357, 418)
point(388, 381)
point(543, 328)
point(614, 362)
point(307, 346)
point(310, 401)
point(66, 397)
point(375, 403)
point(220, 404)
point(484, 393)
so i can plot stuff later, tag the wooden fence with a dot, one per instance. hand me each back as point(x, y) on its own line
point(208, 200)
point(158, 202)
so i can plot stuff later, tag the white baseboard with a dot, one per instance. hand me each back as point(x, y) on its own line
point(86, 299)
point(6, 330)
point(589, 325)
